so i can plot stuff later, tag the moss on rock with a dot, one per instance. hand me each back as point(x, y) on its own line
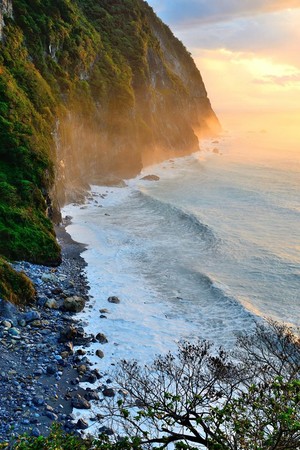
point(15, 287)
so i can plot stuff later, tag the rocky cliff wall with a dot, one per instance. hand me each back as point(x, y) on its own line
point(88, 89)
point(6, 9)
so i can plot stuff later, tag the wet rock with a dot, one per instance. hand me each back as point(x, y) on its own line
point(35, 432)
point(51, 370)
point(80, 352)
point(51, 415)
point(151, 178)
point(49, 278)
point(38, 401)
point(82, 368)
point(106, 430)
point(68, 334)
point(113, 299)
point(51, 304)
point(31, 316)
point(90, 394)
point(74, 304)
point(8, 310)
point(80, 402)
point(6, 324)
point(82, 424)
point(99, 353)
point(14, 332)
point(108, 392)
point(101, 338)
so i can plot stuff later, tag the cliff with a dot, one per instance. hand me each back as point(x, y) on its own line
point(87, 88)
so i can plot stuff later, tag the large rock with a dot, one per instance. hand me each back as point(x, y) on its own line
point(113, 299)
point(51, 304)
point(151, 178)
point(100, 354)
point(80, 402)
point(8, 310)
point(74, 304)
point(82, 424)
point(101, 338)
point(68, 334)
point(31, 316)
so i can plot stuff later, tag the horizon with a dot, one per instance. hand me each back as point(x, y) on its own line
point(246, 52)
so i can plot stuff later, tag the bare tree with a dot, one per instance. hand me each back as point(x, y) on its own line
point(206, 398)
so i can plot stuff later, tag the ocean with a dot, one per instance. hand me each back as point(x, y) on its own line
point(202, 253)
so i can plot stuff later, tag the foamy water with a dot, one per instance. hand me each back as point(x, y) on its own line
point(200, 253)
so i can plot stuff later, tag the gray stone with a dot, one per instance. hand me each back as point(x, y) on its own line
point(8, 310)
point(49, 278)
point(151, 178)
point(99, 353)
point(74, 304)
point(51, 304)
point(82, 424)
point(38, 401)
point(91, 395)
point(80, 402)
point(14, 332)
point(30, 316)
point(51, 415)
point(106, 430)
point(108, 392)
point(101, 338)
point(51, 370)
point(35, 432)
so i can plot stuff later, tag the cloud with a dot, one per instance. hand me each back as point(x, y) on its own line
point(276, 35)
point(180, 13)
point(287, 81)
point(245, 81)
point(247, 50)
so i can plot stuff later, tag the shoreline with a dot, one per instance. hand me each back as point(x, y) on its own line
point(39, 370)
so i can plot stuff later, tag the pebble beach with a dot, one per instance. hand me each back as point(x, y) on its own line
point(40, 372)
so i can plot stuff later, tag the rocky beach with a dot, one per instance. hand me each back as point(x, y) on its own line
point(39, 369)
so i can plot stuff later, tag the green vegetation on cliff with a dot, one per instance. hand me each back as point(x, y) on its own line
point(15, 287)
point(86, 88)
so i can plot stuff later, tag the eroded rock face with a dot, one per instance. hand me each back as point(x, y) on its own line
point(6, 9)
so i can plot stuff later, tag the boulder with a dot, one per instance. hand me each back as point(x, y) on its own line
point(82, 424)
point(100, 354)
point(113, 299)
point(8, 310)
point(68, 334)
point(108, 392)
point(51, 304)
point(101, 338)
point(74, 304)
point(49, 278)
point(80, 402)
point(151, 178)
point(31, 316)
point(90, 394)
point(6, 324)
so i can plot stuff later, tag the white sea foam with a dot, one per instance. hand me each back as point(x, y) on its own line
point(199, 253)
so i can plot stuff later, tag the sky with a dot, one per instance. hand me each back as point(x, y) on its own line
point(247, 50)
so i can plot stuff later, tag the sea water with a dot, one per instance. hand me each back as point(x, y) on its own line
point(201, 253)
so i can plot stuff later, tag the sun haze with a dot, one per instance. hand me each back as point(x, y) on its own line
point(247, 51)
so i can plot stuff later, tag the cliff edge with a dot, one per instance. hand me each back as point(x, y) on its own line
point(87, 88)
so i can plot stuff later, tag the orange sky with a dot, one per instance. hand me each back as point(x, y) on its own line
point(247, 50)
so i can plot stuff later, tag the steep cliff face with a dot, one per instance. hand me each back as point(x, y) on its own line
point(87, 88)
point(6, 9)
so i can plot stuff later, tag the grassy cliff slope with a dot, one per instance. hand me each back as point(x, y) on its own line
point(87, 87)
